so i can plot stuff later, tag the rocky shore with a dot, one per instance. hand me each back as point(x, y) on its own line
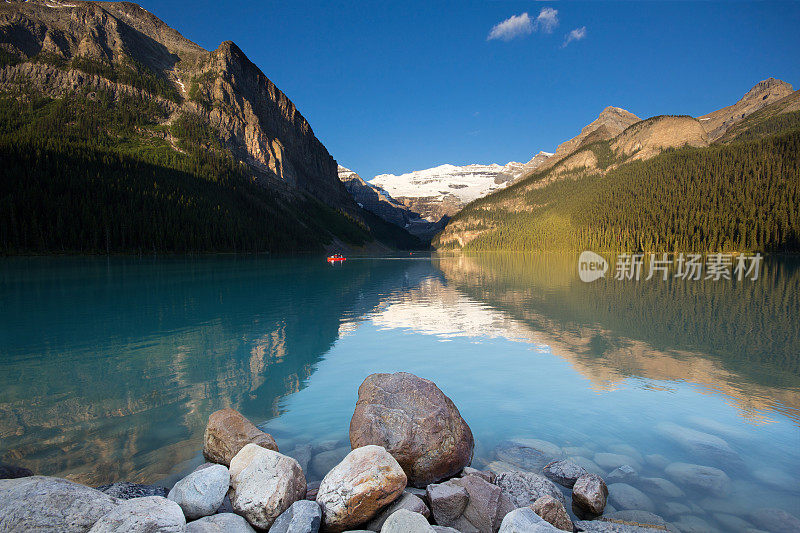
point(407, 469)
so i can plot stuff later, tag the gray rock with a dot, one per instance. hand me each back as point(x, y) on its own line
point(590, 494)
point(774, 520)
point(674, 509)
point(303, 516)
point(659, 487)
point(323, 462)
point(422, 494)
point(220, 523)
point(443, 529)
point(731, 523)
point(447, 501)
point(8, 471)
point(626, 449)
point(701, 445)
point(610, 461)
point(641, 517)
point(201, 493)
point(777, 478)
point(623, 474)
point(142, 515)
point(626, 497)
point(524, 520)
point(405, 521)
point(706, 478)
point(693, 524)
point(406, 501)
point(656, 460)
point(528, 454)
point(565, 473)
point(553, 512)
point(605, 526)
point(588, 465)
point(125, 490)
point(302, 454)
point(487, 475)
point(40, 503)
point(485, 508)
point(524, 488)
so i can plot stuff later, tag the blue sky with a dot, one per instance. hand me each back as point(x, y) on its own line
point(400, 86)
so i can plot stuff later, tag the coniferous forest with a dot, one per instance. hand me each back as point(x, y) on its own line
point(743, 195)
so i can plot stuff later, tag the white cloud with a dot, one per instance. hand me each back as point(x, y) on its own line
point(514, 26)
point(575, 35)
point(547, 20)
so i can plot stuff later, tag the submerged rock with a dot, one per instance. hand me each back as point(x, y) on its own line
point(565, 473)
point(610, 526)
point(705, 478)
point(590, 494)
point(528, 454)
point(774, 520)
point(694, 524)
point(640, 517)
point(626, 449)
point(405, 521)
point(525, 520)
point(264, 483)
point(357, 488)
point(323, 462)
point(701, 445)
point(657, 486)
point(587, 464)
point(626, 497)
point(227, 432)
point(302, 454)
point(303, 516)
point(414, 421)
point(125, 490)
point(552, 511)
point(142, 515)
point(40, 503)
point(610, 461)
point(201, 493)
point(406, 501)
point(524, 488)
point(220, 523)
point(656, 460)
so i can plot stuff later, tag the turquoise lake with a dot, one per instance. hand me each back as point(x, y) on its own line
point(109, 367)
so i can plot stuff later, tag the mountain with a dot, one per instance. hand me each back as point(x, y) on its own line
point(379, 202)
point(761, 95)
point(441, 191)
point(658, 185)
point(236, 166)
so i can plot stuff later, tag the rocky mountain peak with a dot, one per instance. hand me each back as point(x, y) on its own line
point(770, 87)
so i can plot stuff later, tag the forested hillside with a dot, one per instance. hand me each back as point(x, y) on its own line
point(742, 194)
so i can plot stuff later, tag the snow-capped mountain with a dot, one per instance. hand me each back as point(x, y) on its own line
point(443, 190)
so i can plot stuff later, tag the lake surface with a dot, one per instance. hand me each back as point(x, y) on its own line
point(109, 368)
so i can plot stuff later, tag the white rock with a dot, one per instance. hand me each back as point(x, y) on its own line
point(405, 521)
point(201, 492)
point(143, 515)
point(264, 483)
point(220, 523)
point(524, 520)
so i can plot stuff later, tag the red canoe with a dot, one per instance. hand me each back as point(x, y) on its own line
point(336, 259)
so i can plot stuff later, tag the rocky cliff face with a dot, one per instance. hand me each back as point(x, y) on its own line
point(62, 47)
point(761, 95)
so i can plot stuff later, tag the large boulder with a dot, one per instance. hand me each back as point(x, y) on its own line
point(125, 490)
point(524, 520)
point(524, 488)
point(357, 488)
point(405, 521)
point(303, 516)
point(590, 494)
point(227, 432)
point(565, 473)
point(142, 515)
point(705, 478)
point(264, 483)
point(553, 511)
point(220, 523)
point(40, 503)
point(414, 421)
point(625, 497)
point(201, 492)
point(406, 501)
